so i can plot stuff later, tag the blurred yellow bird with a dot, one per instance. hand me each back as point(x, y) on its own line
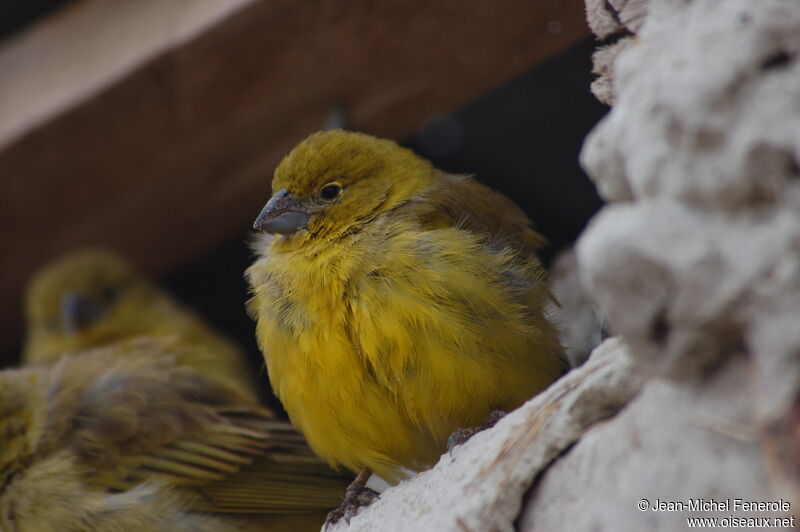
point(128, 437)
point(90, 298)
point(395, 302)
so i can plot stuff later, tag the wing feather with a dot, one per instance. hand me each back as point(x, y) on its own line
point(138, 416)
point(458, 200)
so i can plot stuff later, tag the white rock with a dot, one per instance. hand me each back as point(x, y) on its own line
point(581, 327)
point(673, 443)
point(706, 109)
point(697, 267)
point(667, 277)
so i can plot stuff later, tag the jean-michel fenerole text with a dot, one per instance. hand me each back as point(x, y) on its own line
point(720, 505)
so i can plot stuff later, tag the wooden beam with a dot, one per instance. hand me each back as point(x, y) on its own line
point(161, 141)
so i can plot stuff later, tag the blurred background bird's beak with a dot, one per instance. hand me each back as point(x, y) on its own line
point(78, 312)
point(283, 214)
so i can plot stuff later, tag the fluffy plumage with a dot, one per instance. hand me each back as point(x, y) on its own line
point(161, 430)
point(129, 438)
point(396, 304)
point(91, 298)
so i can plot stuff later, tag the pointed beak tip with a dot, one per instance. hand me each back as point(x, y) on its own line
point(282, 214)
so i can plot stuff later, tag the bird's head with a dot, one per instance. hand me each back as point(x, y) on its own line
point(336, 181)
point(85, 299)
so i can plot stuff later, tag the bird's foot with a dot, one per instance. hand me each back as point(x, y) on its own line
point(356, 496)
point(460, 436)
point(350, 505)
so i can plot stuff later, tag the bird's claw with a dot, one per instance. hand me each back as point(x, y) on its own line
point(460, 436)
point(355, 498)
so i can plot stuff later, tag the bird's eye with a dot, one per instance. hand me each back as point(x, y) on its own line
point(330, 191)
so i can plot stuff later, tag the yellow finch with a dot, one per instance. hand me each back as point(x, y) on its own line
point(127, 437)
point(395, 302)
point(91, 298)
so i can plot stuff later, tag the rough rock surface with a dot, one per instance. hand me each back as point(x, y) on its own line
point(699, 260)
point(603, 65)
point(617, 21)
point(672, 443)
point(611, 17)
point(696, 265)
point(581, 326)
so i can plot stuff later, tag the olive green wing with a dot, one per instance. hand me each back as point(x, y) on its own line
point(458, 200)
point(143, 417)
point(278, 482)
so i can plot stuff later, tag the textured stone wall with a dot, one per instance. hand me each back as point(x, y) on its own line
point(695, 262)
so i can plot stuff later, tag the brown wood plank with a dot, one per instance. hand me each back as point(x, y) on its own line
point(177, 154)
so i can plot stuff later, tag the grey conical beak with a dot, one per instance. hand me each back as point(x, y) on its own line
point(78, 312)
point(283, 214)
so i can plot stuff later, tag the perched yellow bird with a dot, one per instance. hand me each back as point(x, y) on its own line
point(91, 298)
point(128, 437)
point(395, 302)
